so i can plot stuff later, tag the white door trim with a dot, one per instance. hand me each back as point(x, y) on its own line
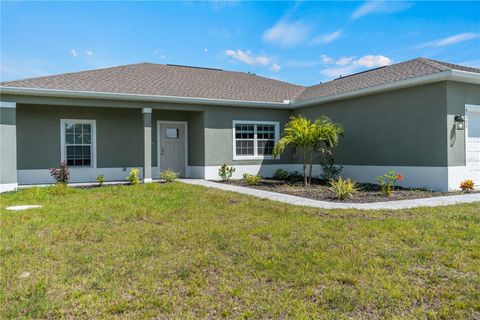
point(185, 123)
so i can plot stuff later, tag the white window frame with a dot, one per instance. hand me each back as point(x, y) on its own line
point(255, 155)
point(63, 152)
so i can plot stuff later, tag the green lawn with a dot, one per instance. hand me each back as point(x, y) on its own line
point(182, 251)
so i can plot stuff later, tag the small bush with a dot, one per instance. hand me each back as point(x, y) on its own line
point(387, 182)
point(100, 180)
point(280, 174)
point(330, 171)
point(225, 172)
point(133, 176)
point(343, 188)
point(295, 176)
point(467, 185)
point(252, 179)
point(62, 174)
point(169, 175)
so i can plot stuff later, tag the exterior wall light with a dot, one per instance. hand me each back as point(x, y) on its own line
point(459, 122)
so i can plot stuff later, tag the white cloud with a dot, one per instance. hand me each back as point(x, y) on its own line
point(371, 61)
point(344, 61)
point(248, 57)
point(89, 53)
point(326, 59)
point(205, 49)
point(74, 53)
point(371, 7)
point(457, 38)
point(348, 65)
point(287, 34)
point(327, 38)
point(275, 67)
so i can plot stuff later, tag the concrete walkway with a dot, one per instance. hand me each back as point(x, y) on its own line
point(299, 201)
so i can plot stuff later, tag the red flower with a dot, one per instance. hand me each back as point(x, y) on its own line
point(399, 177)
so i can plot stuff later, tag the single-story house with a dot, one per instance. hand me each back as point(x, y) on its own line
point(420, 117)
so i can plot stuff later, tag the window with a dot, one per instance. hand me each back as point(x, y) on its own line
point(254, 140)
point(171, 133)
point(78, 142)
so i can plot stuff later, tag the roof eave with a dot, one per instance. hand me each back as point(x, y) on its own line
point(453, 75)
point(140, 97)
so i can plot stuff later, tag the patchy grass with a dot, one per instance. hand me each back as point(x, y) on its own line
point(182, 251)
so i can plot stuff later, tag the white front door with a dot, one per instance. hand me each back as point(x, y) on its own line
point(472, 136)
point(172, 147)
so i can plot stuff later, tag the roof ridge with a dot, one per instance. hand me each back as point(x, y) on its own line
point(433, 63)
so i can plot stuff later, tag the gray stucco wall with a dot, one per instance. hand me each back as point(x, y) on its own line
point(219, 133)
point(403, 128)
point(8, 154)
point(119, 135)
point(458, 95)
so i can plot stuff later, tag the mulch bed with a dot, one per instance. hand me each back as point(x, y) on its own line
point(319, 190)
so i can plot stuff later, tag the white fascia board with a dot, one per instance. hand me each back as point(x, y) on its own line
point(139, 97)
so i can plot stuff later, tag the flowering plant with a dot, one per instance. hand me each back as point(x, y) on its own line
point(62, 174)
point(387, 182)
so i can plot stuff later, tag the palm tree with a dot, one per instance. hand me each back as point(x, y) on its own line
point(326, 136)
point(299, 133)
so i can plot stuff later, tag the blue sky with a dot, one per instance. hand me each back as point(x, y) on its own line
point(301, 42)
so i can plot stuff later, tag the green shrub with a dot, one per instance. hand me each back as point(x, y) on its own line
point(343, 188)
point(252, 179)
point(225, 172)
point(280, 174)
point(295, 176)
point(330, 171)
point(133, 176)
point(387, 182)
point(100, 180)
point(169, 175)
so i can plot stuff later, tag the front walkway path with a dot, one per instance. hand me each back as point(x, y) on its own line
point(299, 201)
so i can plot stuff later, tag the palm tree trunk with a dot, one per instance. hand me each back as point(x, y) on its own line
point(311, 168)
point(305, 167)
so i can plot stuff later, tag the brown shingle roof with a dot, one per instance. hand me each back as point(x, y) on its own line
point(168, 80)
point(371, 78)
point(195, 82)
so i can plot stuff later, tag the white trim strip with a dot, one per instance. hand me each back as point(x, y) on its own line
point(11, 105)
point(6, 187)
